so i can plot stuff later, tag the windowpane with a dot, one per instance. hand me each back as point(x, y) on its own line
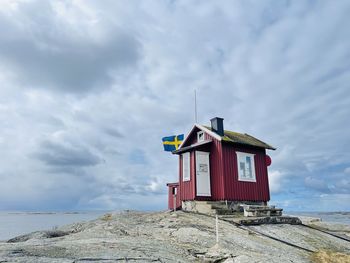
point(249, 167)
point(242, 169)
point(186, 166)
point(246, 169)
point(200, 136)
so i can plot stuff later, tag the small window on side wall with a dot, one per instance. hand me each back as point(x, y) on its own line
point(200, 136)
point(186, 167)
point(246, 167)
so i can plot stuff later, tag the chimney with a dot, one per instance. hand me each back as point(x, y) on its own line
point(217, 125)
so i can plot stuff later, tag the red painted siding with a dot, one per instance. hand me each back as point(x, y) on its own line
point(192, 137)
point(236, 190)
point(170, 197)
point(171, 188)
point(216, 172)
point(187, 188)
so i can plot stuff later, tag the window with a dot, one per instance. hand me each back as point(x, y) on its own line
point(246, 167)
point(186, 167)
point(174, 190)
point(200, 136)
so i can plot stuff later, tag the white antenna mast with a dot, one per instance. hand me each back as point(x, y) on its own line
point(195, 106)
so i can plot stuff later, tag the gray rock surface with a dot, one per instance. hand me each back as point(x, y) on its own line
point(166, 237)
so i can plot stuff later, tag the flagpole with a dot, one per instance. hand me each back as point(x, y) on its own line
point(195, 106)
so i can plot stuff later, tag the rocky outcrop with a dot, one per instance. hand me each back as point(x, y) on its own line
point(167, 237)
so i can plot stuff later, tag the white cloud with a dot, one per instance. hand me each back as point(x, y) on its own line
point(275, 181)
point(317, 184)
point(276, 71)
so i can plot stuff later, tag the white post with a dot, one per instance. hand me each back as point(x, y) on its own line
point(174, 202)
point(217, 229)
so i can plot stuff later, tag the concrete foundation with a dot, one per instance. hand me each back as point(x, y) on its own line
point(197, 207)
point(217, 207)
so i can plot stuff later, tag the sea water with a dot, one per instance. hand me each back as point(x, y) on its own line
point(330, 217)
point(18, 223)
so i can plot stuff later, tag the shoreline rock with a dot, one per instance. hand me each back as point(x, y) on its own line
point(132, 236)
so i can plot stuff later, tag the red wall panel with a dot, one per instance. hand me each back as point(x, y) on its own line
point(171, 196)
point(245, 191)
point(216, 172)
point(187, 188)
point(192, 139)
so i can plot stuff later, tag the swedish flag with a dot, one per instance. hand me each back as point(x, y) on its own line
point(172, 143)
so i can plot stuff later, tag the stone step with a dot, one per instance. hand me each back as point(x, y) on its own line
point(252, 211)
point(271, 220)
point(223, 211)
point(219, 206)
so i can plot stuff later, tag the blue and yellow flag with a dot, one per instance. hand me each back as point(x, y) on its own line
point(172, 143)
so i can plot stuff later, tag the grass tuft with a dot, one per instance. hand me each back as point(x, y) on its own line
point(327, 256)
point(107, 217)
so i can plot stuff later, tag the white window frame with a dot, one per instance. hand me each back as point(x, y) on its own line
point(241, 157)
point(198, 136)
point(186, 171)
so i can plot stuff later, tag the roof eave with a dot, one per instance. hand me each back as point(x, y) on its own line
point(191, 147)
point(173, 184)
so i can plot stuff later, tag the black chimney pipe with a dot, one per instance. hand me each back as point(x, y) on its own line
point(217, 125)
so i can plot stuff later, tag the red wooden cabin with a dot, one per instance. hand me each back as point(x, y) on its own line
point(217, 165)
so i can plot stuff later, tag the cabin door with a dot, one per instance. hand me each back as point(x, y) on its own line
point(202, 174)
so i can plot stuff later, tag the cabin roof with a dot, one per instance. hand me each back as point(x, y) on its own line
point(242, 138)
point(229, 137)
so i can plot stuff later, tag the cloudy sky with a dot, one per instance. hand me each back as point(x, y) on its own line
point(89, 88)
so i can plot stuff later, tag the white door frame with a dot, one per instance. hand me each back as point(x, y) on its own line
point(206, 183)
